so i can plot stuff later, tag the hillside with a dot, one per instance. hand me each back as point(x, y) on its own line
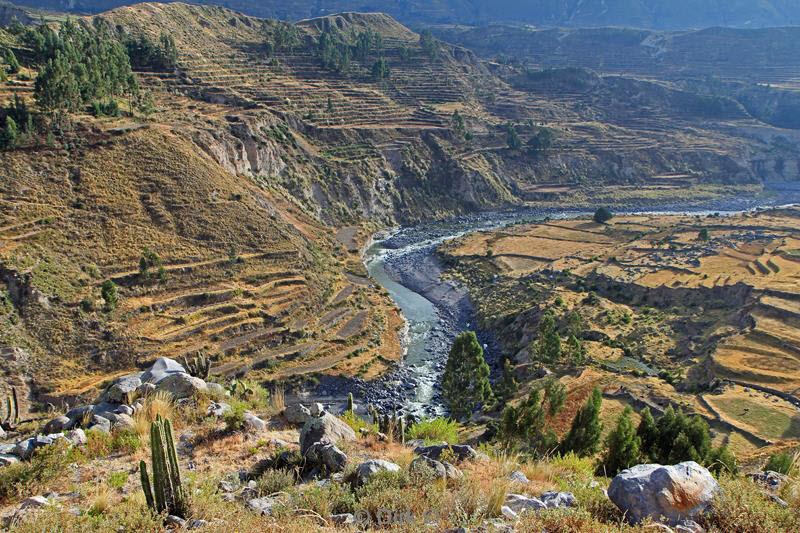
point(654, 14)
point(263, 126)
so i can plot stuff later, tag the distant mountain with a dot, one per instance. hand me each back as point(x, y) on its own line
point(654, 14)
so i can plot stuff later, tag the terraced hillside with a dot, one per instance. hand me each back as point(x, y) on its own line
point(700, 312)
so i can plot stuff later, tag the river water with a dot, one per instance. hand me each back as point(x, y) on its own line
point(404, 263)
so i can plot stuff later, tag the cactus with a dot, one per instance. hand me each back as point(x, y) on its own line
point(402, 430)
point(166, 493)
point(241, 388)
point(350, 405)
point(199, 366)
point(11, 418)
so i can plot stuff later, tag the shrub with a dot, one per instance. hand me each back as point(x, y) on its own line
point(584, 435)
point(602, 215)
point(435, 430)
point(109, 293)
point(234, 419)
point(273, 481)
point(465, 384)
point(622, 446)
point(333, 498)
point(27, 478)
point(117, 480)
point(357, 423)
point(780, 462)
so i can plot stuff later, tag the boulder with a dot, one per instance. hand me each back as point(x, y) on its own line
point(8, 459)
point(76, 437)
point(76, 415)
point(253, 423)
point(218, 409)
point(461, 452)
point(181, 385)
point(772, 481)
point(344, 519)
point(364, 471)
point(262, 506)
point(123, 422)
point(519, 477)
point(2, 433)
point(441, 470)
point(59, 423)
point(124, 410)
point(216, 390)
point(326, 455)
point(555, 500)
point(144, 390)
point(162, 368)
point(34, 502)
point(100, 423)
point(520, 504)
point(24, 449)
point(326, 428)
point(123, 390)
point(675, 493)
point(105, 409)
point(296, 413)
point(317, 409)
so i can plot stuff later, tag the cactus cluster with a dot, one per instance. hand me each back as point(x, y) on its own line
point(10, 419)
point(199, 366)
point(394, 426)
point(350, 404)
point(166, 494)
point(241, 388)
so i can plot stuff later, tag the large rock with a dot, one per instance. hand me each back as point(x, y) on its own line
point(161, 369)
point(519, 503)
point(326, 428)
point(181, 385)
point(123, 422)
point(123, 390)
point(459, 451)
point(76, 415)
point(296, 413)
point(372, 467)
point(100, 423)
point(254, 424)
point(24, 449)
point(262, 506)
point(8, 459)
point(675, 493)
point(555, 500)
point(326, 455)
point(440, 470)
point(59, 423)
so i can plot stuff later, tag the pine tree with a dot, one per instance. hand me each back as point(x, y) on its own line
point(548, 343)
point(584, 435)
point(512, 137)
point(647, 431)
point(576, 351)
point(465, 383)
point(622, 446)
point(555, 394)
point(10, 133)
point(508, 384)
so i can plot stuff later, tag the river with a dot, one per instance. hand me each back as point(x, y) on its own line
point(404, 263)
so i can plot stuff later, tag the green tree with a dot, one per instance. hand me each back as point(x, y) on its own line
point(149, 259)
point(512, 137)
point(526, 424)
point(576, 351)
point(13, 64)
point(602, 215)
point(555, 394)
point(622, 446)
point(541, 141)
point(465, 383)
point(703, 234)
point(508, 384)
point(10, 133)
point(459, 127)
point(108, 291)
point(430, 46)
point(380, 69)
point(647, 431)
point(584, 435)
point(547, 346)
point(722, 460)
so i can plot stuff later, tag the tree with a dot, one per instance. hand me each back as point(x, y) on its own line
point(722, 460)
point(108, 291)
point(555, 394)
point(430, 46)
point(526, 423)
point(10, 133)
point(13, 64)
point(584, 434)
point(576, 351)
point(512, 137)
point(703, 235)
point(541, 141)
point(458, 124)
point(380, 69)
point(465, 383)
point(508, 385)
point(622, 445)
point(602, 215)
point(548, 343)
point(647, 431)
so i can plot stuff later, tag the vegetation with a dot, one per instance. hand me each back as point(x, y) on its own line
point(602, 215)
point(780, 462)
point(167, 493)
point(435, 430)
point(108, 291)
point(79, 66)
point(622, 446)
point(146, 53)
point(380, 69)
point(584, 435)
point(525, 425)
point(465, 383)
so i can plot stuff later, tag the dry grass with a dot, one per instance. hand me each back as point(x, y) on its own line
point(159, 403)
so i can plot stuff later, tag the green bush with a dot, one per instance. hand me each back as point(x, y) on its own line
point(602, 215)
point(28, 478)
point(780, 462)
point(357, 423)
point(435, 430)
point(272, 481)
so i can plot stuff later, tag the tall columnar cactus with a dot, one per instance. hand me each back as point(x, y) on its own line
point(166, 493)
point(402, 430)
point(350, 405)
point(11, 418)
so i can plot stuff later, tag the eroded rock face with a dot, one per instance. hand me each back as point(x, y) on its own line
point(676, 493)
point(326, 428)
